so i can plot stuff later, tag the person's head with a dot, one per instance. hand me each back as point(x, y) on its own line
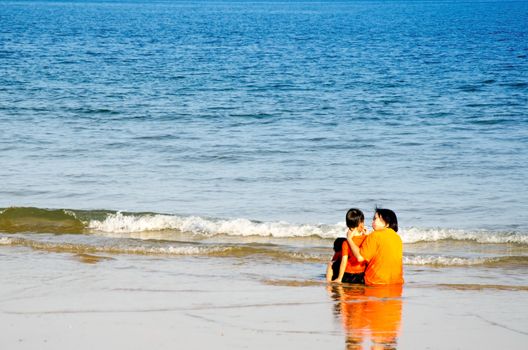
point(354, 218)
point(338, 244)
point(384, 218)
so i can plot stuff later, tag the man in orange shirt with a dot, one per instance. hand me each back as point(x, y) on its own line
point(382, 250)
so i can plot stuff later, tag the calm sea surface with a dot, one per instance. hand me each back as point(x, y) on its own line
point(271, 111)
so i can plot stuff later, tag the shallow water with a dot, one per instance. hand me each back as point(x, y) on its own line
point(459, 258)
point(132, 301)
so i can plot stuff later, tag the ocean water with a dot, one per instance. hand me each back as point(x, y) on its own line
point(242, 129)
point(195, 160)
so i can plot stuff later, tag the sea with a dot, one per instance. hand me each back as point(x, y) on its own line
point(244, 131)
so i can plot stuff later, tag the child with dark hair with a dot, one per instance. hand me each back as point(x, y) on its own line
point(344, 267)
point(332, 270)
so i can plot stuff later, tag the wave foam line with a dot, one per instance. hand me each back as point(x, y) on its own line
point(434, 260)
point(37, 220)
point(109, 249)
point(237, 251)
point(120, 223)
point(6, 241)
point(414, 235)
point(242, 251)
point(129, 223)
point(445, 261)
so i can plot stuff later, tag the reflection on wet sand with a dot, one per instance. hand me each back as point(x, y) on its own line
point(369, 315)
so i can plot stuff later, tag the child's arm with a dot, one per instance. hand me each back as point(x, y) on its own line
point(342, 268)
point(355, 249)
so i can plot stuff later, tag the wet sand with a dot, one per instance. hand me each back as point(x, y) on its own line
point(64, 300)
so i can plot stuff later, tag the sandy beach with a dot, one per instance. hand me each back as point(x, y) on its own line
point(60, 301)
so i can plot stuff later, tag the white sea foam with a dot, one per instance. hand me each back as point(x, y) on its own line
point(237, 227)
point(5, 241)
point(130, 223)
point(170, 250)
point(413, 235)
point(444, 260)
point(115, 249)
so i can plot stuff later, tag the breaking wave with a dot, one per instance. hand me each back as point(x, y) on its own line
point(434, 260)
point(122, 223)
point(414, 235)
point(13, 220)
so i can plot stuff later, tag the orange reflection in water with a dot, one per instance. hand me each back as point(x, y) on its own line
point(369, 315)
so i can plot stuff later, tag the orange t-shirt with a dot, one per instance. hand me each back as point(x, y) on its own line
point(353, 266)
point(383, 250)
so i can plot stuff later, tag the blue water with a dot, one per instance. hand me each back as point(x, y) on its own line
point(270, 111)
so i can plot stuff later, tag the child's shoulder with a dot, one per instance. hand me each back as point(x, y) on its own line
point(359, 239)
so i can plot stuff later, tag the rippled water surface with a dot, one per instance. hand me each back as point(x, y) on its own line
point(268, 110)
point(177, 171)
